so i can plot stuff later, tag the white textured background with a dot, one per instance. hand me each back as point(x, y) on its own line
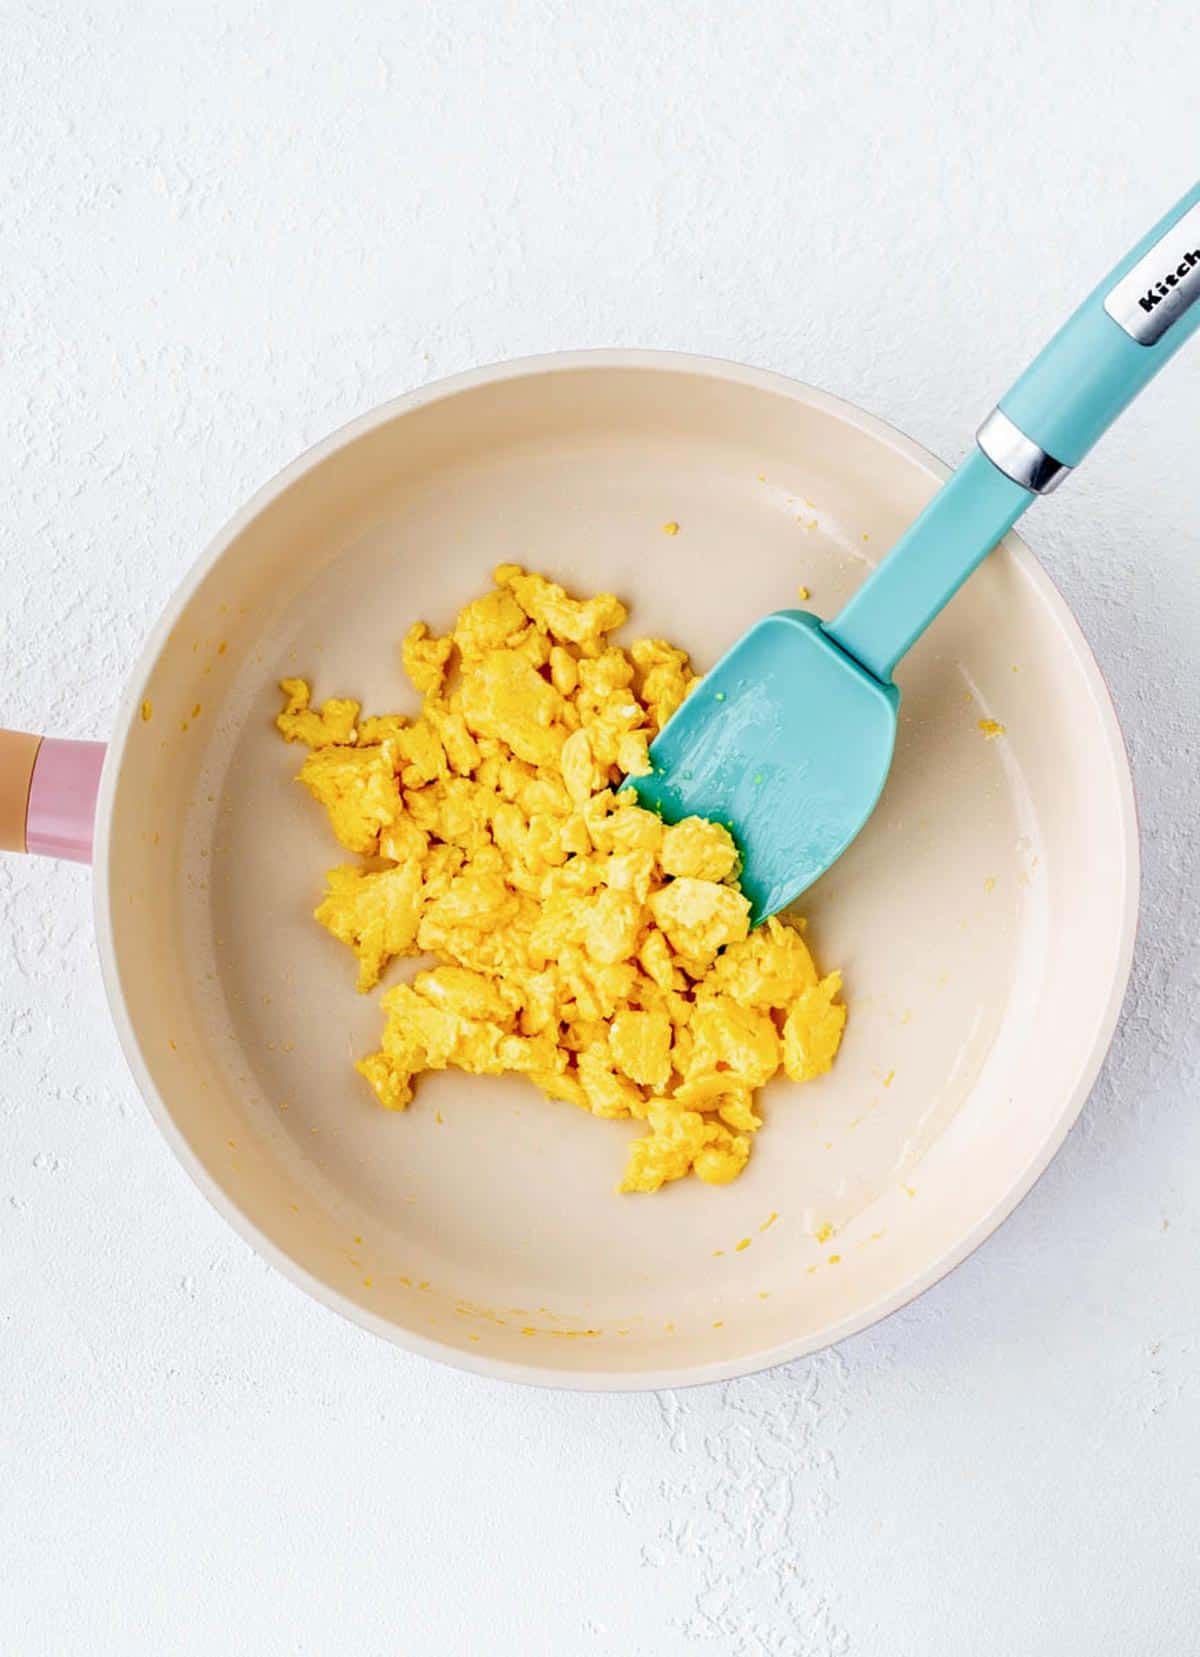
point(226, 228)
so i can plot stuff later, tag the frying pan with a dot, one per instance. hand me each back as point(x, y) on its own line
point(984, 920)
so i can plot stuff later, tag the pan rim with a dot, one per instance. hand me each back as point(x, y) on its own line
point(601, 1379)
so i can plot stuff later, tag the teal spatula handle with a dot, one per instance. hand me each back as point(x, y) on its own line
point(1118, 339)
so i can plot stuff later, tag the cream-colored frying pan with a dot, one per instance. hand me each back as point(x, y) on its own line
point(984, 921)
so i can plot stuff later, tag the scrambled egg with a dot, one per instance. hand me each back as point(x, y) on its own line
point(579, 940)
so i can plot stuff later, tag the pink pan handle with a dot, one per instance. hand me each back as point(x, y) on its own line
point(48, 795)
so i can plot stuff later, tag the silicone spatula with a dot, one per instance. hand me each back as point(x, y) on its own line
point(789, 739)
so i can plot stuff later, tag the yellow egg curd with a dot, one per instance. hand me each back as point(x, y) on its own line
point(578, 939)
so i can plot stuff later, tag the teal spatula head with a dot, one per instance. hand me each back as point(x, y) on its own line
point(789, 739)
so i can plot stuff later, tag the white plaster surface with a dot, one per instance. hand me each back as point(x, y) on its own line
point(225, 229)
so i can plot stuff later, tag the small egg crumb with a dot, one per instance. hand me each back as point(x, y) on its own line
point(889, 1078)
point(989, 884)
point(744, 1244)
point(823, 1233)
point(991, 728)
point(804, 593)
point(835, 1259)
point(671, 529)
point(578, 940)
point(147, 711)
point(768, 1222)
